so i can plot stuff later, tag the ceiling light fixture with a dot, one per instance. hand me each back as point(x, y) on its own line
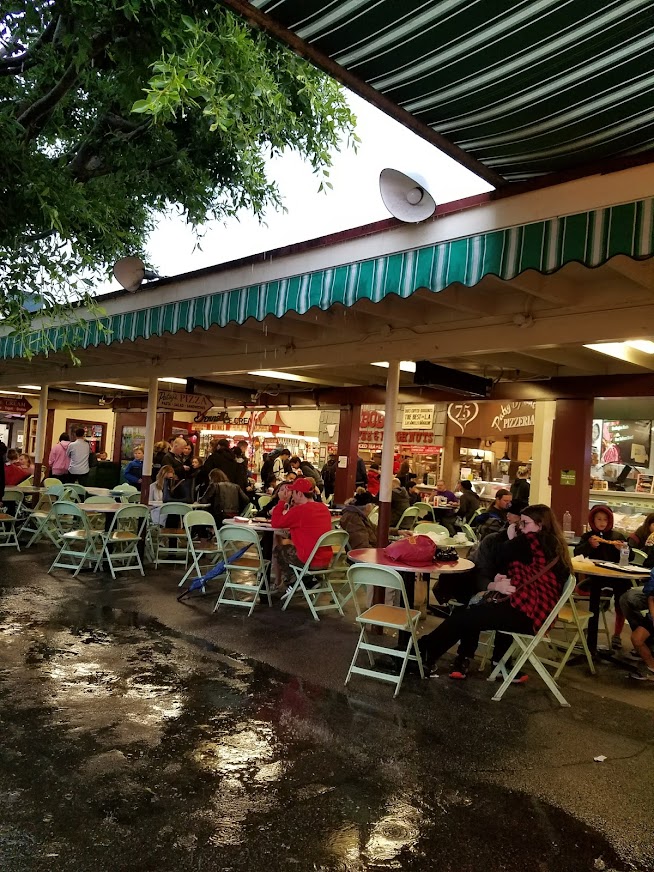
point(405, 365)
point(173, 381)
point(109, 386)
point(30, 387)
point(644, 345)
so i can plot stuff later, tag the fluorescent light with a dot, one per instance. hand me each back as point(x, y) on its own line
point(173, 381)
point(272, 373)
point(30, 387)
point(111, 386)
point(11, 393)
point(644, 345)
point(405, 365)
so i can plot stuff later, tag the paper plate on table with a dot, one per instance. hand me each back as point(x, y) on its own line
point(639, 570)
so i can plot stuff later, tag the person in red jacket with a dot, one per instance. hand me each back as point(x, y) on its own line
point(306, 521)
point(374, 480)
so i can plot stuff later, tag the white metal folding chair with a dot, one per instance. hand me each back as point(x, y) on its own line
point(206, 551)
point(8, 521)
point(232, 539)
point(425, 509)
point(408, 519)
point(573, 620)
point(398, 618)
point(337, 539)
point(80, 543)
point(169, 544)
point(523, 649)
point(430, 527)
point(120, 545)
point(38, 522)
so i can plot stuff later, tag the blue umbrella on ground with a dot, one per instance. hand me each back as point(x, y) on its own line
point(218, 569)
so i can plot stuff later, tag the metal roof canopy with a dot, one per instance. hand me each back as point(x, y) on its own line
point(511, 90)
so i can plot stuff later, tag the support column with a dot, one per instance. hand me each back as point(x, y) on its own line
point(541, 491)
point(348, 448)
point(570, 470)
point(41, 426)
point(148, 448)
point(388, 450)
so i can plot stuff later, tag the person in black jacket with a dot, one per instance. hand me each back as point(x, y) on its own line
point(328, 473)
point(222, 457)
point(469, 502)
point(521, 487)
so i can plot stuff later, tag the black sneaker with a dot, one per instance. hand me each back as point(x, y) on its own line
point(460, 668)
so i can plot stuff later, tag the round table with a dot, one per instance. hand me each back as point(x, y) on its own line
point(597, 574)
point(377, 557)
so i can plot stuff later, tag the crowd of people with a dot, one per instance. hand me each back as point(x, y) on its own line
point(521, 552)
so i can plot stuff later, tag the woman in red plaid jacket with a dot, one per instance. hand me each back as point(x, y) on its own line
point(539, 542)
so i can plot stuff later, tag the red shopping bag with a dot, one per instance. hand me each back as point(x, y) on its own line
point(414, 549)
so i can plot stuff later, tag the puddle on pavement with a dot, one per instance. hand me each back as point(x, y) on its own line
point(124, 740)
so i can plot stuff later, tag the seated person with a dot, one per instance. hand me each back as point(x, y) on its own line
point(15, 472)
point(602, 542)
point(539, 545)
point(469, 502)
point(486, 555)
point(266, 511)
point(306, 520)
point(399, 501)
point(446, 518)
point(643, 539)
point(643, 634)
point(494, 519)
point(355, 521)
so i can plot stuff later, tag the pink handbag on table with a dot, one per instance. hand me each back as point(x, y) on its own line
point(413, 550)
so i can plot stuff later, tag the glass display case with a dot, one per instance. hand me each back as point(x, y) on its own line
point(629, 508)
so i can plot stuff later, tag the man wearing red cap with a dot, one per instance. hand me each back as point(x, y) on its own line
point(306, 520)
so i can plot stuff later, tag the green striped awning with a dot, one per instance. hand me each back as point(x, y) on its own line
point(590, 238)
point(527, 87)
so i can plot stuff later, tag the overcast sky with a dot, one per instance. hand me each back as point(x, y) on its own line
point(353, 201)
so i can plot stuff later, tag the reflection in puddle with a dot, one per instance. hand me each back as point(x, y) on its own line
point(237, 752)
point(394, 832)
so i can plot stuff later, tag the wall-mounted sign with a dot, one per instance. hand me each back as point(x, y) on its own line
point(417, 417)
point(488, 420)
point(215, 416)
point(568, 477)
point(180, 402)
point(15, 405)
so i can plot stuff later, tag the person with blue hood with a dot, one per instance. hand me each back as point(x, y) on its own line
point(356, 522)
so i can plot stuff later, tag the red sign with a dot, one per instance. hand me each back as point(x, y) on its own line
point(17, 405)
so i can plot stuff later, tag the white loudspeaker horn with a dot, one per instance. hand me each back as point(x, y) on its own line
point(405, 197)
point(130, 273)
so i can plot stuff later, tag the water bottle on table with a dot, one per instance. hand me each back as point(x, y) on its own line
point(624, 555)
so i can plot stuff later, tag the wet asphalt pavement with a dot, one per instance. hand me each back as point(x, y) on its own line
point(128, 744)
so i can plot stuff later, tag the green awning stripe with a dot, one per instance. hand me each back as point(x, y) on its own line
point(591, 238)
point(527, 88)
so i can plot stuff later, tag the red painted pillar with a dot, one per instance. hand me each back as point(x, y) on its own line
point(348, 446)
point(570, 460)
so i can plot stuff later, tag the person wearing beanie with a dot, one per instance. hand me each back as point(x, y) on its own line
point(469, 502)
point(355, 520)
point(602, 542)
